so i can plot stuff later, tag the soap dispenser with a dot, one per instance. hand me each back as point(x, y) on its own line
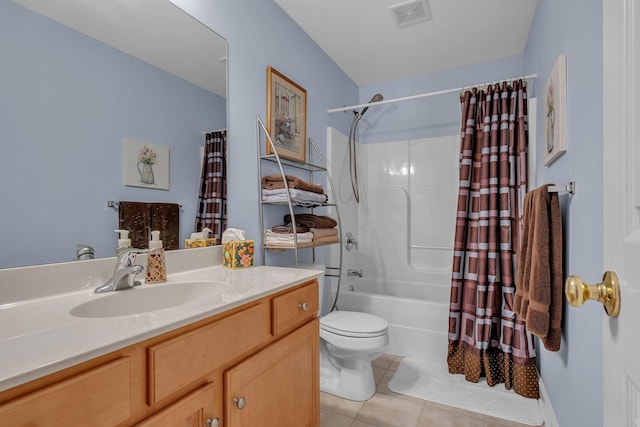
point(156, 264)
point(124, 242)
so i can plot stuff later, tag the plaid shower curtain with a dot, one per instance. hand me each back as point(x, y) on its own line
point(486, 338)
point(212, 195)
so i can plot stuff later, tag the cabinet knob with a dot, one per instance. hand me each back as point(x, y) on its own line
point(303, 306)
point(240, 402)
point(213, 422)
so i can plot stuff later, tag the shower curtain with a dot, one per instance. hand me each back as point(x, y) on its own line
point(486, 337)
point(212, 194)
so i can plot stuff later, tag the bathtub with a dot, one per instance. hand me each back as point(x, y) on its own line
point(418, 313)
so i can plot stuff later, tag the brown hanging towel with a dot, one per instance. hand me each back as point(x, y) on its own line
point(140, 218)
point(538, 297)
point(165, 217)
point(135, 217)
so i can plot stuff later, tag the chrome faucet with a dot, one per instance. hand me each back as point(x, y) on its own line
point(84, 252)
point(124, 273)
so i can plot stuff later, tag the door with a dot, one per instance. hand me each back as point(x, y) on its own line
point(621, 186)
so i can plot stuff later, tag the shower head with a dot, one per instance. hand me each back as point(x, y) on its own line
point(375, 98)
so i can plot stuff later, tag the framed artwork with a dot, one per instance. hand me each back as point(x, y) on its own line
point(146, 165)
point(286, 116)
point(554, 114)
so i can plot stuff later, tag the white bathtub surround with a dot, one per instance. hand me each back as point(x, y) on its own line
point(404, 224)
point(41, 335)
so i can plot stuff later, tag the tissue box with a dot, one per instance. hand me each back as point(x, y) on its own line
point(199, 243)
point(238, 254)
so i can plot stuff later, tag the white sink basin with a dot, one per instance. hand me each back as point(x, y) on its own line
point(146, 298)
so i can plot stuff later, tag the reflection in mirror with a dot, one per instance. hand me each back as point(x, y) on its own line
point(79, 77)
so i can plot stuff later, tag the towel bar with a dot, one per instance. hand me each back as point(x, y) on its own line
point(114, 204)
point(568, 188)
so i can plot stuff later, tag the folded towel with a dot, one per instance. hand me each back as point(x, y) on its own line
point(288, 228)
point(300, 196)
point(313, 221)
point(270, 236)
point(272, 182)
point(325, 240)
point(323, 232)
point(283, 245)
point(285, 240)
point(538, 297)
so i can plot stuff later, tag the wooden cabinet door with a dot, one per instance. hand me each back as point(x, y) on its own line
point(190, 411)
point(277, 386)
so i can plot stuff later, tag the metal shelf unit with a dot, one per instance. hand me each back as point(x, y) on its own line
point(262, 139)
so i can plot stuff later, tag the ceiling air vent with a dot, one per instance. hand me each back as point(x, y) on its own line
point(410, 12)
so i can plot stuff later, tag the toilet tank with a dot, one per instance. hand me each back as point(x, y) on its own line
point(324, 288)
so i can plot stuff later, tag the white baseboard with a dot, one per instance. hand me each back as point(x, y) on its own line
point(545, 406)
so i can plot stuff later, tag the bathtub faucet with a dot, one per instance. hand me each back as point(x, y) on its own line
point(351, 272)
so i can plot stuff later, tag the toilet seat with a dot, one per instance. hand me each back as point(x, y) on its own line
point(354, 324)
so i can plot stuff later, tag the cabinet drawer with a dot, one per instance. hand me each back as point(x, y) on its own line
point(99, 397)
point(293, 308)
point(184, 359)
point(192, 410)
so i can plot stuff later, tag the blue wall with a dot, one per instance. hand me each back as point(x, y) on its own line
point(259, 34)
point(67, 103)
point(574, 28)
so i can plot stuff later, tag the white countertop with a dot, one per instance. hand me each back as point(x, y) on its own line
point(39, 336)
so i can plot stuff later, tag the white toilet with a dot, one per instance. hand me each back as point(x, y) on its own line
point(349, 341)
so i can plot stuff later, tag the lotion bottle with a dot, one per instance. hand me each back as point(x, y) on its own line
point(156, 264)
point(124, 242)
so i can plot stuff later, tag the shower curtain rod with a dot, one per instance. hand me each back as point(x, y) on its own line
point(424, 95)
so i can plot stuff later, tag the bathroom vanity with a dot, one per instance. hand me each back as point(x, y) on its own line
point(244, 355)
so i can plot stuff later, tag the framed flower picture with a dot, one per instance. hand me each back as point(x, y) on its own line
point(286, 116)
point(146, 165)
point(554, 112)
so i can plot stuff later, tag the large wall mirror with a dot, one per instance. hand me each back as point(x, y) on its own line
point(79, 77)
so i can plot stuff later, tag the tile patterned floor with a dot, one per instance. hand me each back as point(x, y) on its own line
point(389, 409)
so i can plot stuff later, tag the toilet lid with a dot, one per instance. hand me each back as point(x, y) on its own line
point(354, 324)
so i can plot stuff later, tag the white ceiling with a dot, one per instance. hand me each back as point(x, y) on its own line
point(362, 36)
point(155, 31)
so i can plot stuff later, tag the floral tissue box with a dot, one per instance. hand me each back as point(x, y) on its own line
point(199, 243)
point(238, 254)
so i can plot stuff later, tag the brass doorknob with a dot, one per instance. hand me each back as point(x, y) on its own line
point(607, 292)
